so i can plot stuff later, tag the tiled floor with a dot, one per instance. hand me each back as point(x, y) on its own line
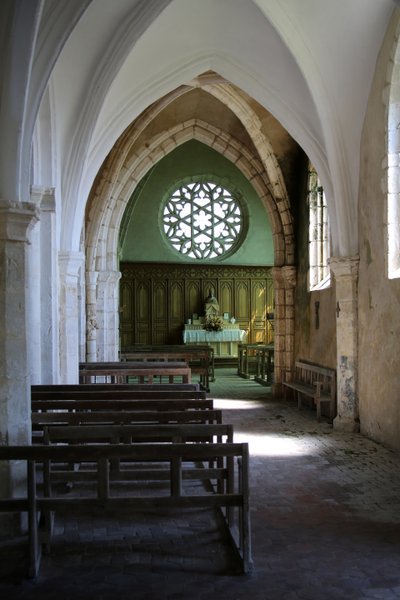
point(325, 524)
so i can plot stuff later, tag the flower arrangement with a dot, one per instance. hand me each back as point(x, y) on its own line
point(213, 323)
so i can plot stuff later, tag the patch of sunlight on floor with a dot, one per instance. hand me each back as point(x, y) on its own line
point(277, 445)
point(235, 404)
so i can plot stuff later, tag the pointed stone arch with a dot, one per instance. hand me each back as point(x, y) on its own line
point(129, 162)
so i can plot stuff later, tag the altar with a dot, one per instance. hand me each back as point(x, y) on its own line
point(225, 342)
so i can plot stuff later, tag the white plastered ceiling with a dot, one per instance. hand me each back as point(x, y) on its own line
point(309, 62)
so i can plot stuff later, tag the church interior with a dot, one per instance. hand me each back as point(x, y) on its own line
point(178, 175)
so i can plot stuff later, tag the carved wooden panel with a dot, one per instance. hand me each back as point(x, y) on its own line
point(226, 296)
point(177, 312)
point(159, 321)
point(156, 300)
point(193, 295)
point(126, 314)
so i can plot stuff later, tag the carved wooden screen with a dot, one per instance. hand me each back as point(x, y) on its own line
point(156, 300)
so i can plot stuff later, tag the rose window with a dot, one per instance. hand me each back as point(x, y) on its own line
point(202, 220)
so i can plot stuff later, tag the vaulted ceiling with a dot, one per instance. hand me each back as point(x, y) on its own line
point(276, 74)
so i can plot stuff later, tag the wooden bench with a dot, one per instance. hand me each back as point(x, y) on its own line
point(143, 372)
point(125, 434)
point(227, 486)
point(120, 405)
point(136, 387)
point(113, 391)
point(316, 382)
point(114, 417)
point(134, 433)
point(200, 358)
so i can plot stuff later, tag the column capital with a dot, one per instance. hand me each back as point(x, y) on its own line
point(43, 197)
point(285, 276)
point(70, 263)
point(344, 266)
point(109, 276)
point(16, 222)
point(91, 277)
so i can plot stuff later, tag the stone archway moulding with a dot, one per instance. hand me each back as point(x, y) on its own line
point(111, 197)
point(126, 166)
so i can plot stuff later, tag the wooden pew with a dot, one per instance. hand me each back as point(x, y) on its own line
point(125, 434)
point(179, 465)
point(200, 358)
point(139, 404)
point(178, 387)
point(110, 391)
point(144, 372)
point(125, 417)
point(40, 420)
point(128, 433)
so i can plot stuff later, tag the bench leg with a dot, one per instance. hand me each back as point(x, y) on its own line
point(318, 405)
point(34, 544)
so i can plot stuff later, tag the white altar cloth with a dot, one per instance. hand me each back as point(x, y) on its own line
point(201, 335)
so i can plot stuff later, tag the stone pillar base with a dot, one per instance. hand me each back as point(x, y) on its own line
point(346, 424)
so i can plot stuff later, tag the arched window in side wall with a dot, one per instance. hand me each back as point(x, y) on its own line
point(318, 233)
point(392, 164)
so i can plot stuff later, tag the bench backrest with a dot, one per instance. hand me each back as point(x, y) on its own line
point(310, 373)
point(139, 404)
point(136, 387)
point(122, 371)
point(111, 391)
point(128, 434)
point(114, 417)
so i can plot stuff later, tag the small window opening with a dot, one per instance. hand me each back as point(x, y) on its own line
point(319, 236)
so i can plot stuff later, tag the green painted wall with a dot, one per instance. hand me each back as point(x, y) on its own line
point(140, 238)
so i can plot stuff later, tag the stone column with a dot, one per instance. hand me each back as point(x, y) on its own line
point(346, 276)
point(15, 226)
point(91, 316)
point(49, 287)
point(107, 315)
point(113, 316)
point(43, 285)
point(284, 284)
point(70, 264)
point(16, 223)
point(33, 314)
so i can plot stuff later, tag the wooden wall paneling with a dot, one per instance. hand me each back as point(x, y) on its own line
point(242, 306)
point(258, 309)
point(176, 311)
point(226, 297)
point(156, 299)
point(159, 324)
point(126, 313)
point(193, 298)
point(142, 322)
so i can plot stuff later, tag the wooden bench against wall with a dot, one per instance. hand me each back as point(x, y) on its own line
point(142, 371)
point(315, 382)
point(199, 358)
point(178, 465)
